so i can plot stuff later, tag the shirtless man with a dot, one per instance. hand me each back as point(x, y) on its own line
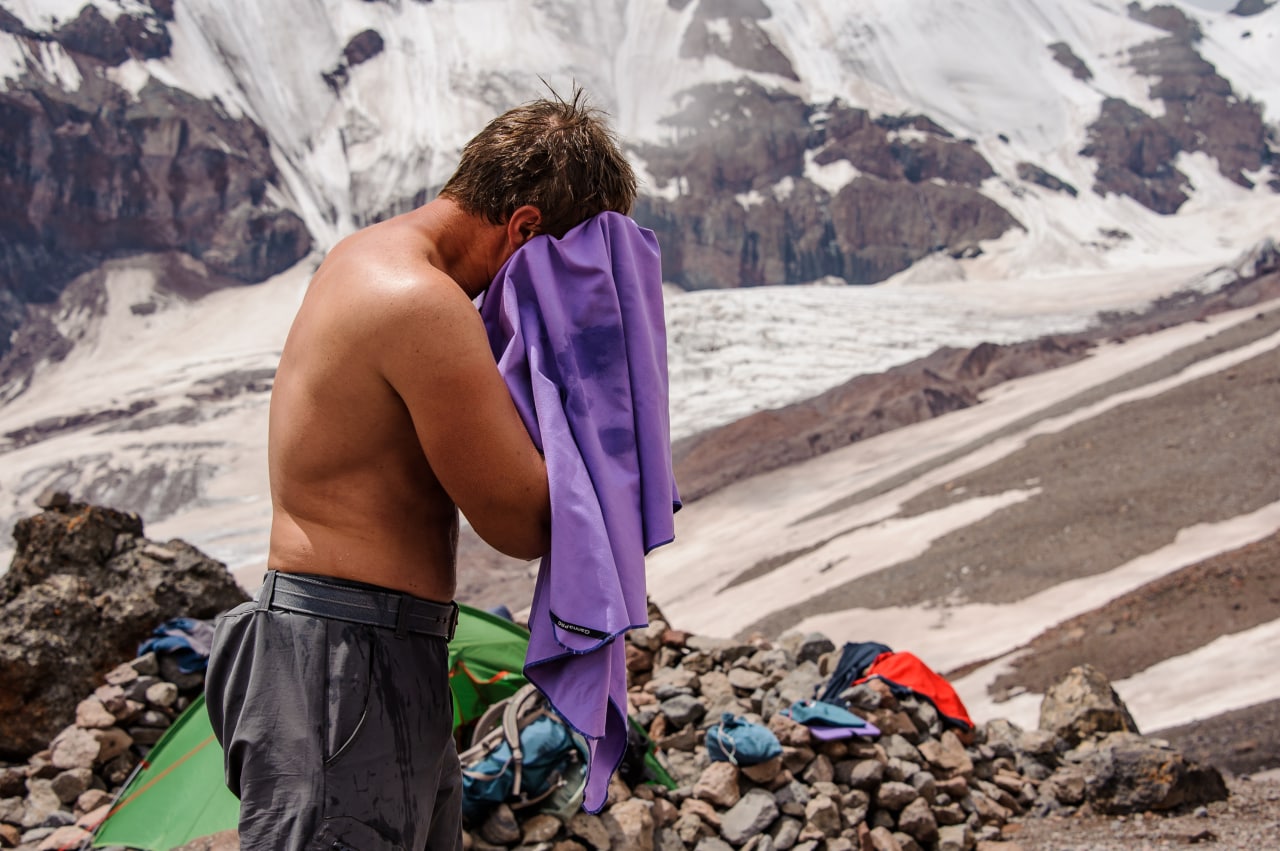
point(330, 693)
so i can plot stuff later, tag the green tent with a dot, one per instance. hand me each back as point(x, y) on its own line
point(179, 795)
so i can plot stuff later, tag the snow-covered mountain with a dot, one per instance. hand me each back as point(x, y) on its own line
point(1008, 167)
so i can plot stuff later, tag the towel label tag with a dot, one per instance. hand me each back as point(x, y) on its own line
point(577, 628)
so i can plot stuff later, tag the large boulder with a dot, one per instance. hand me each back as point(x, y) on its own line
point(1083, 704)
point(84, 589)
point(1126, 773)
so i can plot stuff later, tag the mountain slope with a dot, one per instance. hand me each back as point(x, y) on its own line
point(936, 143)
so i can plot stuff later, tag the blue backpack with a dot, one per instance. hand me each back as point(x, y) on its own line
point(522, 753)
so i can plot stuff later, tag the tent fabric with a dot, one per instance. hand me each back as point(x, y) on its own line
point(180, 795)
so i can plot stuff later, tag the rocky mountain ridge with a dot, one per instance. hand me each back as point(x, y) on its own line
point(123, 141)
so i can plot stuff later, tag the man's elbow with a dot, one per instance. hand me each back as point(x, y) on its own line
point(528, 540)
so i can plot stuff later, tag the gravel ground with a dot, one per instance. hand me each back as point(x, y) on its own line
point(1249, 820)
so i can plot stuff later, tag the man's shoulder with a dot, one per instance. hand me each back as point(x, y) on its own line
point(389, 264)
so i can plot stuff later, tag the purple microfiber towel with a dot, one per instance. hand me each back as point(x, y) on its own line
point(577, 327)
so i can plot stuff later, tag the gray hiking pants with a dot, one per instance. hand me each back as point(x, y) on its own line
point(337, 727)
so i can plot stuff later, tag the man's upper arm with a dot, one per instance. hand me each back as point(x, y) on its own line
point(437, 358)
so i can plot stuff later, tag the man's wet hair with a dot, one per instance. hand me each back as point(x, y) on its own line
point(557, 155)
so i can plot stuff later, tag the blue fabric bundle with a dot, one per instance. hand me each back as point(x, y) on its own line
point(741, 742)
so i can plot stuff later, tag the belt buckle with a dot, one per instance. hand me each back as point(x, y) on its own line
point(453, 620)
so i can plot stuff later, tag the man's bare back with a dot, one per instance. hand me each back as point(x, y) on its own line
point(388, 413)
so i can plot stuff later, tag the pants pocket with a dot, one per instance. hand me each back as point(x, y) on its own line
point(348, 686)
point(348, 834)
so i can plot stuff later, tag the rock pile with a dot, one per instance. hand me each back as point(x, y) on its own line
point(919, 785)
point(56, 799)
point(84, 589)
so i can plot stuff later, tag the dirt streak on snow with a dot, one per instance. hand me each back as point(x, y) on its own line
point(767, 517)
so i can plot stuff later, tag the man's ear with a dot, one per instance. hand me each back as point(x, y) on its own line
point(523, 225)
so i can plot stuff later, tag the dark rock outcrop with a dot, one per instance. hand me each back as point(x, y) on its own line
point(84, 589)
point(1033, 173)
point(361, 48)
point(747, 46)
point(1135, 155)
point(1136, 152)
point(131, 35)
point(744, 213)
point(1248, 8)
point(1171, 19)
point(1067, 58)
point(97, 173)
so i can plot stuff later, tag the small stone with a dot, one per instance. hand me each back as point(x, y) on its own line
point(819, 771)
point(91, 714)
point(162, 694)
point(718, 785)
point(122, 675)
point(42, 802)
point(501, 827)
point(895, 795)
point(712, 843)
point(814, 645)
point(751, 815)
point(146, 665)
point(882, 840)
point(539, 828)
point(785, 833)
point(955, 837)
point(13, 781)
point(75, 748)
point(10, 836)
point(71, 784)
point(865, 774)
point(70, 836)
point(145, 735)
point(630, 825)
point(823, 814)
point(745, 680)
point(683, 709)
point(917, 820)
point(590, 829)
point(92, 800)
point(765, 772)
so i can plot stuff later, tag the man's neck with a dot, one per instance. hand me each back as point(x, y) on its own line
point(465, 247)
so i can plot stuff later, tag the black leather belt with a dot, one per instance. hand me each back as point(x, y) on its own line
point(356, 602)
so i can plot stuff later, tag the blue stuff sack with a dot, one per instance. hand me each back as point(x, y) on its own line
point(741, 742)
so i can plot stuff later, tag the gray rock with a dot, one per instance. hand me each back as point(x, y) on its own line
point(712, 843)
point(630, 825)
point(897, 747)
point(822, 813)
point(813, 646)
point(751, 815)
point(894, 795)
point(71, 784)
point(785, 833)
point(864, 774)
point(917, 820)
point(1083, 704)
point(683, 709)
point(1126, 773)
point(955, 837)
